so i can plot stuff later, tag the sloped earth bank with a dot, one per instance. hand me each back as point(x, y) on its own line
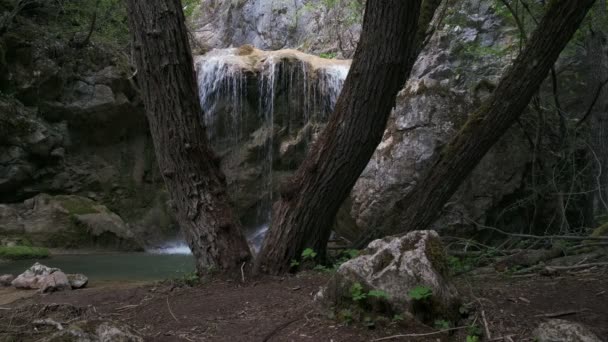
point(282, 309)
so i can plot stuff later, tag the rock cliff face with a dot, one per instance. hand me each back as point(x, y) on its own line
point(308, 25)
point(71, 123)
point(459, 67)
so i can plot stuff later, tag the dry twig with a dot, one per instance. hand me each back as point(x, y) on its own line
point(418, 335)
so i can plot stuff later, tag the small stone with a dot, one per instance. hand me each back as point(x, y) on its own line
point(78, 281)
point(6, 280)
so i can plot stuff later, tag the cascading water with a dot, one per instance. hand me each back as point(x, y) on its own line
point(261, 110)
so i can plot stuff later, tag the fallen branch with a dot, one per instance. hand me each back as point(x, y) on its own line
point(171, 311)
point(419, 335)
point(243, 272)
point(48, 321)
point(561, 313)
point(279, 328)
point(574, 267)
point(485, 325)
point(543, 237)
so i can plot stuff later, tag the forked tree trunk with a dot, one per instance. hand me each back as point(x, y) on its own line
point(423, 205)
point(309, 201)
point(189, 167)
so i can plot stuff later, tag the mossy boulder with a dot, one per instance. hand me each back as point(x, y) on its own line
point(70, 221)
point(405, 275)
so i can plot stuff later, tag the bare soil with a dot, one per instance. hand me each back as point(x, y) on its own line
point(282, 309)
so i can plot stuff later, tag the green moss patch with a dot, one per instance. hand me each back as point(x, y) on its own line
point(78, 206)
point(23, 252)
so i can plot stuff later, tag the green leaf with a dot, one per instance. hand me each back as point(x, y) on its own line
point(309, 254)
point(356, 292)
point(377, 294)
point(420, 293)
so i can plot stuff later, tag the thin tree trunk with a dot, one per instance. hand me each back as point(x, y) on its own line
point(189, 167)
point(310, 200)
point(597, 50)
point(423, 205)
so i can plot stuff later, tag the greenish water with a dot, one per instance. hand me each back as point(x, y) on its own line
point(112, 267)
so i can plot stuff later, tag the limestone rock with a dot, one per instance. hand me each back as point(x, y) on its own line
point(78, 280)
point(429, 111)
point(96, 331)
point(56, 281)
point(396, 266)
point(6, 280)
point(70, 221)
point(33, 277)
point(559, 330)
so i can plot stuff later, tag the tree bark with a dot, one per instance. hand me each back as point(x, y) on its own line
point(310, 200)
point(189, 167)
point(423, 205)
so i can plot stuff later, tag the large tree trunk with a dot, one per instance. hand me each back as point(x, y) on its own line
point(310, 200)
point(423, 205)
point(189, 167)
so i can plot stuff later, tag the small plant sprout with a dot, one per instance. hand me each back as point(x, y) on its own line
point(308, 254)
point(377, 294)
point(356, 292)
point(420, 293)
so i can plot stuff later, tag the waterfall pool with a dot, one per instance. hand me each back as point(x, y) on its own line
point(128, 267)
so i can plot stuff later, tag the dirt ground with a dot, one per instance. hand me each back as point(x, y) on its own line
point(282, 309)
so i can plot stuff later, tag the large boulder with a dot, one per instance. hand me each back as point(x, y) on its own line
point(69, 221)
point(33, 277)
point(56, 281)
point(410, 271)
point(559, 330)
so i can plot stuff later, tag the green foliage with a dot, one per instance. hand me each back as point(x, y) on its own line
point(308, 254)
point(328, 55)
point(110, 24)
point(357, 293)
point(294, 263)
point(420, 293)
point(77, 206)
point(398, 318)
point(474, 333)
point(346, 315)
point(23, 252)
point(321, 268)
point(442, 324)
point(189, 6)
point(191, 279)
point(377, 294)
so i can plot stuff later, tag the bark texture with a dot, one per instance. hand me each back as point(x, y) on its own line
point(304, 215)
point(423, 205)
point(189, 167)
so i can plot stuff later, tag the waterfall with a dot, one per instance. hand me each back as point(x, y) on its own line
point(258, 106)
